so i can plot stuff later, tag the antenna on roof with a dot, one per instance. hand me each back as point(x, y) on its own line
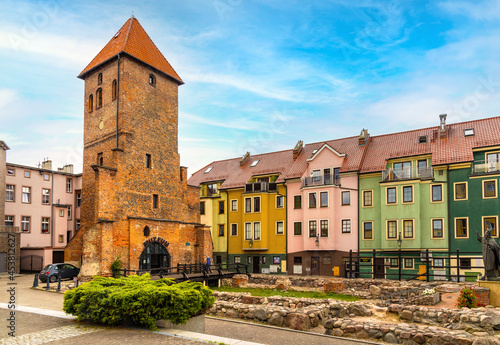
point(132, 16)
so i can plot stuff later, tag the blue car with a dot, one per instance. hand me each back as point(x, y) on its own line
point(52, 271)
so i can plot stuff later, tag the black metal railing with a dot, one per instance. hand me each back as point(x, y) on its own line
point(256, 187)
point(320, 180)
point(408, 174)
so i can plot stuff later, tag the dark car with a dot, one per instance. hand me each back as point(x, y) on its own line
point(66, 271)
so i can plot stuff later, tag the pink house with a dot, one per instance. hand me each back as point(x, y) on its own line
point(323, 206)
point(45, 205)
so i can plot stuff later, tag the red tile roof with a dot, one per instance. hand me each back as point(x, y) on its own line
point(132, 39)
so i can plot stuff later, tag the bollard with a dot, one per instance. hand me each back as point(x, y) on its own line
point(35, 282)
point(48, 284)
point(76, 285)
point(58, 283)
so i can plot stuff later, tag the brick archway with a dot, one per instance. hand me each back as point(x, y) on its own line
point(154, 255)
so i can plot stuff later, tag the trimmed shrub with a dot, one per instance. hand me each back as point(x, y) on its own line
point(137, 299)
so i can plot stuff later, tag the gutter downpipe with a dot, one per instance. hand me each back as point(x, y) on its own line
point(117, 95)
point(52, 213)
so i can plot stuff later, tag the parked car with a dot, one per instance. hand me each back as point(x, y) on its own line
point(52, 271)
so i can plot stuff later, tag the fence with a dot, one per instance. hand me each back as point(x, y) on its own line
point(438, 265)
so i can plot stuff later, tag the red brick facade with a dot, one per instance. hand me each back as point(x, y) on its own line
point(131, 173)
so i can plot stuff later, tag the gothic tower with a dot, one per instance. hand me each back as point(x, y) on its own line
point(136, 203)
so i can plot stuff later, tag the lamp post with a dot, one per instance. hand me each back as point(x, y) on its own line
point(317, 241)
point(250, 244)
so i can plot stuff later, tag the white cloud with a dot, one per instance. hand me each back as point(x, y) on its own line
point(478, 10)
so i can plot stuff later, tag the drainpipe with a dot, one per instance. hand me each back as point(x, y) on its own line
point(449, 220)
point(117, 95)
point(52, 219)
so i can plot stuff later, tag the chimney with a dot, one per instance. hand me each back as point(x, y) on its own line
point(183, 174)
point(363, 137)
point(297, 149)
point(47, 164)
point(244, 159)
point(68, 168)
point(442, 126)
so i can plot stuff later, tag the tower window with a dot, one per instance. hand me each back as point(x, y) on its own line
point(146, 231)
point(114, 89)
point(148, 160)
point(99, 79)
point(155, 200)
point(100, 159)
point(152, 80)
point(91, 103)
point(98, 96)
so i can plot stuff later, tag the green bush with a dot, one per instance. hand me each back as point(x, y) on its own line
point(137, 299)
point(116, 266)
point(467, 298)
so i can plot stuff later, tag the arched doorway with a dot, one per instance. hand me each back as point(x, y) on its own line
point(155, 255)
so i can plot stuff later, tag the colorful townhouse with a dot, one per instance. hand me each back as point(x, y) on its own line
point(322, 192)
point(248, 209)
point(474, 204)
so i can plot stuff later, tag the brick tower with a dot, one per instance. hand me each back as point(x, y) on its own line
point(136, 203)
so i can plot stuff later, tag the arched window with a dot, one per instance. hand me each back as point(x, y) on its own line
point(152, 80)
point(113, 89)
point(91, 103)
point(98, 96)
point(99, 79)
point(146, 231)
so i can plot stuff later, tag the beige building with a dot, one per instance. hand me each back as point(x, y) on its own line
point(45, 205)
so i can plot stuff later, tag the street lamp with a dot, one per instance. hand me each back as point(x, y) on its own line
point(317, 241)
point(250, 244)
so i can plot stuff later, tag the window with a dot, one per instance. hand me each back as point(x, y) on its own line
point(438, 263)
point(99, 79)
point(237, 259)
point(323, 228)
point(100, 159)
point(391, 195)
point(465, 263)
point(256, 231)
point(248, 231)
point(422, 166)
point(26, 195)
point(256, 204)
point(336, 174)
point(114, 90)
point(27, 174)
point(313, 228)
point(221, 229)
point(208, 170)
point(234, 205)
point(312, 200)
point(297, 228)
point(45, 196)
point(368, 230)
point(468, 132)
point(234, 229)
point(249, 260)
point(77, 224)
point(10, 192)
point(69, 212)
point(437, 228)
point(279, 228)
point(11, 172)
point(394, 262)
point(346, 198)
point(61, 238)
point(279, 201)
point(346, 226)
point(148, 160)
point(422, 139)
point(408, 263)
point(327, 176)
point(297, 260)
point(221, 207)
point(254, 163)
point(152, 80)
point(327, 260)
point(437, 192)
point(212, 189)
point(202, 207)
point(45, 225)
point(490, 223)
point(25, 224)
point(323, 199)
point(69, 187)
point(367, 198)
point(316, 177)
point(461, 191)
point(98, 98)
point(407, 194)
point(46, 177)
point(490, 189)
point(392, 229)
point(492, 159)
point(297, 201)
point(78, 199)
point(407, 228)
point(248, 205)
point(9, 220)
point(461, 227)
point(155, 200)
point(91, 103)
point(403, 169)
point(61, 213)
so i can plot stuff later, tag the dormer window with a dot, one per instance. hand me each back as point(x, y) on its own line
point(315, 150)
point(422, 139)
point(99, 79)
point(152, 80)
point(208, 169)
point(254, 163)
point(114, 90)
point(469, 132)
point(98, 96)
point(91, 103)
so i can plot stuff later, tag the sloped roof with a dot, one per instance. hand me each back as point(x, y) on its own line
point(133, 40)
point(235, 176)
point(455, 148)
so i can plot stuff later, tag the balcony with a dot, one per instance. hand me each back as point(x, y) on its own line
point(484, 167)
point(320, 180)
point(210, 193)
point(257, 187)
point(408, 174)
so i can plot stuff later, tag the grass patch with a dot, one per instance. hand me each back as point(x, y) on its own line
point(293, 294)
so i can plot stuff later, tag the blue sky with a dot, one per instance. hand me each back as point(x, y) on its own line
point(260, 75)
